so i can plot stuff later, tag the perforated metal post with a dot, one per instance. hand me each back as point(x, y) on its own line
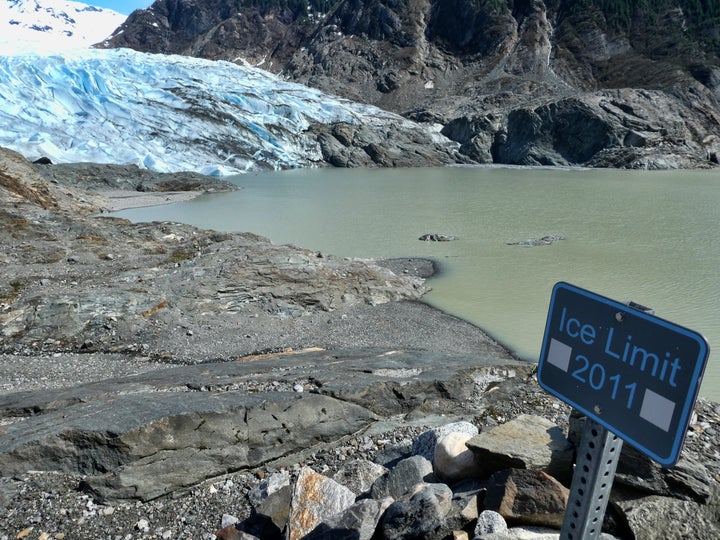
point(595, 466)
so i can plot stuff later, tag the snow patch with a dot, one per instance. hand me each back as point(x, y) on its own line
point(52, 26)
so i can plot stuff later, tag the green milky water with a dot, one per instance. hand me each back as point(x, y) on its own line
point(649, 237)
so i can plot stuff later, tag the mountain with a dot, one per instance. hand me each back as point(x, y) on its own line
point(557, 82)
point(53, 25)
point(174, 113)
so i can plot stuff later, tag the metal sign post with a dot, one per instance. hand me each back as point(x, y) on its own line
point(635, 376)
point(597, 459)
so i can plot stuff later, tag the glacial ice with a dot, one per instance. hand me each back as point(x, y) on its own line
point(165, 113)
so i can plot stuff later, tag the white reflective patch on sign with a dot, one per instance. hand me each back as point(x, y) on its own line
point(559, 354)
point(657, 410)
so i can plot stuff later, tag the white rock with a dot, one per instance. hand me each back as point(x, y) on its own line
point(453, 460)
point(490, 522)
point(228, 520)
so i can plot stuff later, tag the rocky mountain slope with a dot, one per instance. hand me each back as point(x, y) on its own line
point(555, 82)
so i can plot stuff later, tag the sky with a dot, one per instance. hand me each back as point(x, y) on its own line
point(121, 6)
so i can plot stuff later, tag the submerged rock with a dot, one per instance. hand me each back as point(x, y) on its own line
point(437, 237)
point(543, 241)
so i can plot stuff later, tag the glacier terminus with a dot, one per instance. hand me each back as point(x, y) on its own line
point(167, 113)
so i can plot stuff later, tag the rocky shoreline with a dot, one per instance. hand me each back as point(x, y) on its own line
point(161, 381)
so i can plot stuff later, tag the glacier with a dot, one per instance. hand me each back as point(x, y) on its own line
point(165, 113)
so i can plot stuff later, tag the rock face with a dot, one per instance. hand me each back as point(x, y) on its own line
point(532, 83)
point(131, 436)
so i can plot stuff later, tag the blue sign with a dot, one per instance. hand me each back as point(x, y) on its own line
point(634, 373)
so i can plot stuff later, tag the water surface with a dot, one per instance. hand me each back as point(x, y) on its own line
point(649, 237)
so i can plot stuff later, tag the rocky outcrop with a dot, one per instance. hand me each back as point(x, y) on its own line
point(256, 32)
point(95, 284)
point(130, 437)
point(529, 83)
point(22, 184)
point(396, 144)
point(94, 177)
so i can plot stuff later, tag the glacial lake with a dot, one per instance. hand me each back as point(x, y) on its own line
point(649, 237)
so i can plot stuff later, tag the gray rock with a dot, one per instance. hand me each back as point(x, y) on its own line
point(663, 517)
point(421, 516)
point(393, 454)
point(443, 493)
point(148, 446)
point(101, 177)
point(437, 237)
point(392, 142)
point(688, 479)
point(490, 522)
point(268, 487)
point(466, 501)
point(402, 478)
point(359, 475)
point(529, 442)
point(132, 436)
point(358, 522)
point(271, 499)
point(543, 241)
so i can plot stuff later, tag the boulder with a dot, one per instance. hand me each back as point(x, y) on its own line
point(490, 522)
point(420, 516)
point(665, 517)
point(357, 522)
point(437, 237)
point(529, 497)
point(688, 479)
point(315, 499)
point(271, 503)
point(424, 444)
point(453, 459)
point(529, 442)
point(403, 477)
point(359, 475)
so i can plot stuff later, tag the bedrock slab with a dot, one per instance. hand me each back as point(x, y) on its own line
point(147, 435)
